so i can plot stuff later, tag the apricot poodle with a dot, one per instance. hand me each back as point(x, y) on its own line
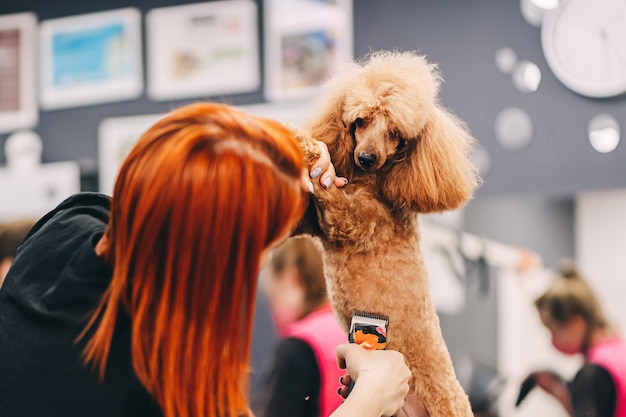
point(403, 154)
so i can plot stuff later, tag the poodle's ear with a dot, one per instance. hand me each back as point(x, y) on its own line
point(437, 174)
point(327, 126)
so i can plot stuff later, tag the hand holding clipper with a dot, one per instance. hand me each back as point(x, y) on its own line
point(383, 380)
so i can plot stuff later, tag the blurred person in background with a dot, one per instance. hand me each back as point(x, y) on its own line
point(572, 313)
point(304, 377)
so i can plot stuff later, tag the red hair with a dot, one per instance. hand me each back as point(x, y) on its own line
point(197, 200)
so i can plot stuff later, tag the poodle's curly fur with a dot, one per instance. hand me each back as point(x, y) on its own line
point(403, 154)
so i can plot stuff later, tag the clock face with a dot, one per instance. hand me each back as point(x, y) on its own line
point(584, 42)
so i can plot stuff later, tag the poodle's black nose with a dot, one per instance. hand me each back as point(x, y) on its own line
point(367, 160)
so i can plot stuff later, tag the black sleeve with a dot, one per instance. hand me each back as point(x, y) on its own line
point(292, 386)
point(83, 200)
point(593, 392)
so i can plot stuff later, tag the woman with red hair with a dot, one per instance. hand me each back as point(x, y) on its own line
point(142, 305)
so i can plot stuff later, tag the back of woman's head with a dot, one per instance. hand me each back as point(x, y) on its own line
point(570, 295)
point(302, 254)
point(201, 195)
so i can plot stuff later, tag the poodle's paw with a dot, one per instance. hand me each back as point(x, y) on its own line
point(309, 145)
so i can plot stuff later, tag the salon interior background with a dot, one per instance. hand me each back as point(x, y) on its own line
point(463, 37)
point(530, 196)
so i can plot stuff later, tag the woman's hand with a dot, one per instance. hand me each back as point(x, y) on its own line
point(413, 405)
point(381, 381)
point(323, 170)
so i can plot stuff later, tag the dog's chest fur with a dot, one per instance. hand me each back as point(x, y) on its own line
point(371, 250)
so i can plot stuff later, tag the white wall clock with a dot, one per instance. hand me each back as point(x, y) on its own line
point(584, 42)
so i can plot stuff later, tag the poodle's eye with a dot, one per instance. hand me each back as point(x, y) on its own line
point(359, 122)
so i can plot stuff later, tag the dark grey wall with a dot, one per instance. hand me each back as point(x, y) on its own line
point(462, 36)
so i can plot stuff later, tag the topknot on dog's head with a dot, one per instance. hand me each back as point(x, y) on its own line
point(396, 85)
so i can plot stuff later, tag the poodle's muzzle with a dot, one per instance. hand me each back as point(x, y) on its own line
point(374, 144)
point(366, 160)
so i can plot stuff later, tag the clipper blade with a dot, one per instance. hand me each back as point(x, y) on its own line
point(369, 330)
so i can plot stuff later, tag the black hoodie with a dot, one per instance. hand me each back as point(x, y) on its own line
point(54, 284)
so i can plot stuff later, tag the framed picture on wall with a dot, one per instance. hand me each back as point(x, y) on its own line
point(293, 112)
point(18, 96)
point(116, 137)
point(305, 42)
point(91, 58)
point(202, 49)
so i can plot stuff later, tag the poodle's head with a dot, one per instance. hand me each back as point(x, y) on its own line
point(386, 106)
point(381, 117)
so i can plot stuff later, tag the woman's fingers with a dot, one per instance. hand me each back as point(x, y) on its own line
point(380, 376)
point(305, 182)
point(323, 169)
point(344, 387)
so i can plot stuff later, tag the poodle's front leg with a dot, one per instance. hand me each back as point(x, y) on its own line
point(349, 216)
point(309, 145)
point(309, 223)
